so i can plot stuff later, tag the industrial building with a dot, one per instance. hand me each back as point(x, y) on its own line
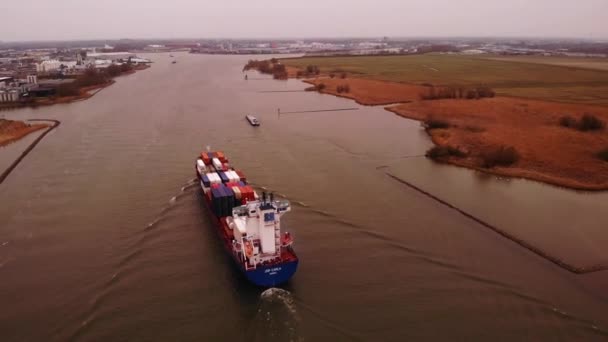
point(9, 96)
point(54, 65)
point(110, 56)
point(4, 81)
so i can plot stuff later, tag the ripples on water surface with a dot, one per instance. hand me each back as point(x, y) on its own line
point(103, 235)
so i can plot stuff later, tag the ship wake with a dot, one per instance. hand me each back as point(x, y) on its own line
point(276, 317)
point(135, 247)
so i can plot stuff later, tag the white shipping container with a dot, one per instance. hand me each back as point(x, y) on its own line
point(214, 178)
point(210, 177)
point(228, 175)
point(200, 165)
point(217, 164)
point(236, 176)
point(231, 176)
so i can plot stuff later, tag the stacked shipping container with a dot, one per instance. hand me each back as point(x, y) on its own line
point(229, 188)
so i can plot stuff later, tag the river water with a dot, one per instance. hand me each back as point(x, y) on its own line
point(103, 235)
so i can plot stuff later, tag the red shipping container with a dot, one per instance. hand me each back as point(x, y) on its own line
point(244, 195)
point(249, 193)
point(241, 175)
point(205, 158)
point(215, 186)
point(220, 155)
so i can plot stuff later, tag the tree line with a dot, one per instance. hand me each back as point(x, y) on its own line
point(271, 67)
point(93, 77)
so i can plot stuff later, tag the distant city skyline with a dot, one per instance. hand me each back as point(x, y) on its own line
point(29, 20)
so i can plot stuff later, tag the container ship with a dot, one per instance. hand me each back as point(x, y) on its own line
point(248, 225)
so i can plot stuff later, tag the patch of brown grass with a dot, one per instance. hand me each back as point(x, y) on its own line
point(370, 92)
point(11, 131)
point(547, 152)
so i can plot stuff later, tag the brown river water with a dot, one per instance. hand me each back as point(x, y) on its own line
point(103, 236)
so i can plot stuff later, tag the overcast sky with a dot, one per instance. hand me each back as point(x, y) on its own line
point(109, 19)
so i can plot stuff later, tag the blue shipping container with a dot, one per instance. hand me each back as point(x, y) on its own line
point(225, 201)
point(223, 177)
point(216, 200)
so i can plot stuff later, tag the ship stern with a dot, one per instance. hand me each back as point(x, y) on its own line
point(272, 275)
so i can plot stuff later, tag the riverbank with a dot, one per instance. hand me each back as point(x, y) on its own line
point(548, 78)
point(30, 148)
point(11, 131)
point(83, 93)
point(543, 149)
point(548, 152)
point(368, 92)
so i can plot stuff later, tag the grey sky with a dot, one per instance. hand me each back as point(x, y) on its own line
point(108, 19)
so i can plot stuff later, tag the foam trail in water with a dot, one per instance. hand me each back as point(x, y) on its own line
point(276, 318)
point(192, 182)
point(6, 262)
point(277, 295)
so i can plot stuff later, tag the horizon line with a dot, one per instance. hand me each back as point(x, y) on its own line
point(432, 37)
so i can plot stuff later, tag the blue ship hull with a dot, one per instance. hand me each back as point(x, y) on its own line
point(272, 275)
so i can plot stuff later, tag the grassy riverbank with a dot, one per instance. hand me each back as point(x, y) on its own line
point(546, 151)
point(544, 79)
point(518, 131)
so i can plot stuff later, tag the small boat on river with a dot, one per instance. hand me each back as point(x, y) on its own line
point(252, 120)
